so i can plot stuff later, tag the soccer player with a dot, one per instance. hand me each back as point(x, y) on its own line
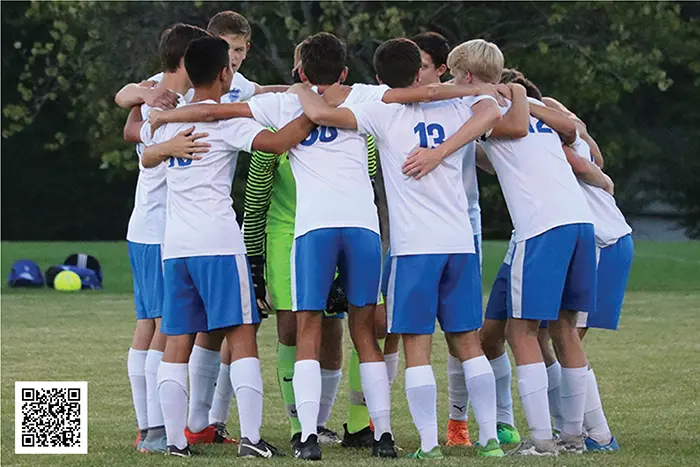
point(434, 49)
point(615, 250)
point(207, 277)
point(552, 273)
point(434, 271)
point(268, 229)
point(145, 237)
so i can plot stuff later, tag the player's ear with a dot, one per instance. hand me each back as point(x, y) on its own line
point(379, 80)
point(441, 70)
point(247, 46)
point(302, 75)
point(343, 75)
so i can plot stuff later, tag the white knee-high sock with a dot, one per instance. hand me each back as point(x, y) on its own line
point(155, 414)
point(504, 397)
point(204, 369)
point(532, 384)
point(421, 392)
point(330, 380)
point(223, 394)
point(573, 399)
point(458, 397)
point(172, 390)
point(136, 367)
point(307, 393)
point(481, 384)
point(247, 383)
point(594, 420)
point(554, 394)
point(375, 386)
point(392, 366)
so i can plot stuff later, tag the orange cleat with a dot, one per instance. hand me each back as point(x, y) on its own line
point(371, 426)
point(137, 443)
point(458, 433)
point(213, 434)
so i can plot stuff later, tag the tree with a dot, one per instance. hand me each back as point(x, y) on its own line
point(626, 69)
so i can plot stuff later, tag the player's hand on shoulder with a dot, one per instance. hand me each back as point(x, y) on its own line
point(161, 98)
point(504, 91)
point(155, 119)
point(610, 187)
point(488, 89)
point(185, 144)
point(296, 87)
point(336, 94)
point(516, 88)
point(422, 161)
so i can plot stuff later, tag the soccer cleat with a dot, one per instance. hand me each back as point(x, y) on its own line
point(308, 450)
point(507, 434)
point(362, 439)
point(492, 449)
point(222, 433)
point(261, 449)
point(326, 436)
point(209, 435)
point(458, 433)
point(140, 438)
point(594, 446)
point(159, 444)
point(570, 444)
point(434, 453)
point(175, 451)
point(384, 447)
point(535, 447)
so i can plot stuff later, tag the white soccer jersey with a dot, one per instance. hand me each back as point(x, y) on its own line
point(539, 187)
point(608, 220)
point(329, 166)
point(147, 221)
point(426, 216)
point(471, 186)
point(241, 88)
point(200, 220)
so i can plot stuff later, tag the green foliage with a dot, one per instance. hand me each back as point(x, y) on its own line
point(607, 61)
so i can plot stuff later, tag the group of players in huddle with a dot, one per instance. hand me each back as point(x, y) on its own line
point(311, 246)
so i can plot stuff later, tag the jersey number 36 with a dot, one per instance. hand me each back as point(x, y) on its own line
point(324, 134)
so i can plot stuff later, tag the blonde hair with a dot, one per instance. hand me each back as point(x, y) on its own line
point(297, 52)
point(482, 59)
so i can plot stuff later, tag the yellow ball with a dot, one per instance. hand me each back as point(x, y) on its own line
point(67, 281)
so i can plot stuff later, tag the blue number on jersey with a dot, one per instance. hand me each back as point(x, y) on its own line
point(540, 127)
point(434, 130)
point(324, 134)
point(181, 162)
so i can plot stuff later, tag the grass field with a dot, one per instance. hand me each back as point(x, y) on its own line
point(647, 371)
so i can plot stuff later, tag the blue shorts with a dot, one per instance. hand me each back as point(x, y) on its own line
point(614, 264)
point(553, 271)
point(425, 287)
point(147, 270)
point(497, 306)
point(386, 269)
point(203, 293)
point(355, 252)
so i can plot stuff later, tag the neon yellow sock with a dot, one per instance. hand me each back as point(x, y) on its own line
point(286, 357)
point(358, 416)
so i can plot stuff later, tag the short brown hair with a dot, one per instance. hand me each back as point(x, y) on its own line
point(478, 57)
point(229, 23)
point(174, 42)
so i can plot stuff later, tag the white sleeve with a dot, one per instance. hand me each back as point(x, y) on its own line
point(362, 93)
point(145, 134)
point(239, 133)
point(472, 100)
point(371, 117)
point(246, 86)
point(267, 109)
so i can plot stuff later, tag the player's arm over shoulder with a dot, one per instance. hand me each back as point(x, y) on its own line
point(319, 112)
point(132, 127)
point(516, 120)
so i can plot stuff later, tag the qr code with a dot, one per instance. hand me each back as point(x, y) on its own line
point(51, 417)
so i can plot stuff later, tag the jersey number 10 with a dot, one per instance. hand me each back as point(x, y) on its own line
point(324, 134)
point(181, 162)
point(433, 132)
